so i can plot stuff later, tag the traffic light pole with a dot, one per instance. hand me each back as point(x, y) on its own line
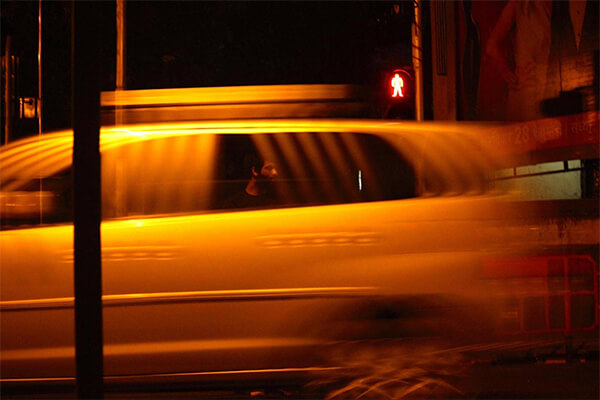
point(86, 183)
point(417, 59)
point(121, 51)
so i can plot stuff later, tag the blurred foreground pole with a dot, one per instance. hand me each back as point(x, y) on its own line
point(86, 182)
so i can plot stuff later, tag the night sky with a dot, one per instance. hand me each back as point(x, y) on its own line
point(195, 43)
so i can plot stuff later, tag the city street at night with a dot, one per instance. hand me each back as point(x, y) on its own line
point(300, 200)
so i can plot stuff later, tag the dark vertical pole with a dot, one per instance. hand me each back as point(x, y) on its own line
point(39, 98)
point(121, 45)
point(417, 59)
point(39, 59)
point(86, 183)
point(121, 51)
point(8, 95)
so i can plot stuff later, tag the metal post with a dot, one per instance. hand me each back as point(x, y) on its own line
point(86, 183)
point(417, 59)
point(7, 90)
point(120, 76)
point(120, 84)
point(39, 100)
point(39, 59)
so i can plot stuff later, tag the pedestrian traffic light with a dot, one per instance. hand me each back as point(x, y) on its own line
point(399, 94)
point(400, 85)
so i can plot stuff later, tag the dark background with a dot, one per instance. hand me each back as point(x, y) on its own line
point(195, 43)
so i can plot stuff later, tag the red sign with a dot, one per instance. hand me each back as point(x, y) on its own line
point(559, 135)
point(399, 85)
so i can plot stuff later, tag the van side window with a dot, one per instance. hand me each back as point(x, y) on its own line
point(316, 168)
point(199, 173)
point(158, 176)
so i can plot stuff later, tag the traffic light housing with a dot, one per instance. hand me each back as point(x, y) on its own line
point(399, 94)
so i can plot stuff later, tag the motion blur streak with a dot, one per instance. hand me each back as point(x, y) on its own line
point(309, 143)
point(196, 296)
point(226, 95)
point(334, 153)
point(291, 154)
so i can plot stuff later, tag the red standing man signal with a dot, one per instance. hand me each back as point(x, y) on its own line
point(397, 84)
point(397, 88)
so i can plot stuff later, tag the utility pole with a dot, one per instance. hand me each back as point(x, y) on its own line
point(85, 36)
point(417, 59)
point(39, 60)
point(121, 44)
point(8, 101)
point(39, 99)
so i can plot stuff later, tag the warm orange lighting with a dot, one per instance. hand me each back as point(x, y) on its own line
point(227, 95)
point(397, 84)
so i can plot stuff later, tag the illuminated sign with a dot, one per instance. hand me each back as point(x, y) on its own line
point(398, 88)
point(28, 107)
point(397, 84)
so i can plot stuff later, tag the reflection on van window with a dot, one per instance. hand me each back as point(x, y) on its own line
point(215, 172)
point(312, 169)
point(161, 176)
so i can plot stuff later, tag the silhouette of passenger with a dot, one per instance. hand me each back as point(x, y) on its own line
point(258, 192)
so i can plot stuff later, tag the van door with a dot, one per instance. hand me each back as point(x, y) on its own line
point(216, 289)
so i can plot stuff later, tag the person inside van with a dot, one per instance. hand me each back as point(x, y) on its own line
point(259, 191)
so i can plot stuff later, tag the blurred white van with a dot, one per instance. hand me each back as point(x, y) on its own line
point(376, 230)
